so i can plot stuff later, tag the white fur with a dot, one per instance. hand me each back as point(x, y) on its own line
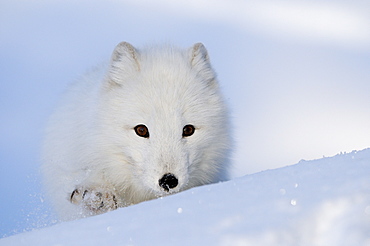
point(91, 143)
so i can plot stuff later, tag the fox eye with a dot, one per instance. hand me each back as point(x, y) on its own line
point(142, 131)
point(188, 130)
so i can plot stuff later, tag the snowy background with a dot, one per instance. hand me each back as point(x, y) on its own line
point(296, 75)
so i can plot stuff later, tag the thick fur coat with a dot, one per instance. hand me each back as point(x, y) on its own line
point(151, 123)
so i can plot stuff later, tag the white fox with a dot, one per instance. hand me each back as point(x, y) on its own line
point(151, 123)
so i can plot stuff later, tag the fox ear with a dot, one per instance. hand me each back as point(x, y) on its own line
point(201, 64)
point(199, 56)
point(124, 61)
point(124, 51)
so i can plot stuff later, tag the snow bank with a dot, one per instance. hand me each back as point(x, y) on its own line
point(320, 202)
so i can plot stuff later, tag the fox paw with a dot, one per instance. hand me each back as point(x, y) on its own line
point(94, 201)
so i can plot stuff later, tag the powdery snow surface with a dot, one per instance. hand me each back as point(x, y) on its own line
point(320, 202)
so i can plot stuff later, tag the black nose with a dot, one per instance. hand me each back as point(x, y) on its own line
point(168, 181)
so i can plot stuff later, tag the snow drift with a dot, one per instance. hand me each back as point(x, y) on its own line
point(319, 202)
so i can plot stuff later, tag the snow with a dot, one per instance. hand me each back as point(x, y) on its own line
point(319, 202)
point(295, 74)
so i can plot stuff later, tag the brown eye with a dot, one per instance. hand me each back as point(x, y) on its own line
point(188, 130)
point(142, 131)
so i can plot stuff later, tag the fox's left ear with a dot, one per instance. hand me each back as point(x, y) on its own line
point(199, 55)
point(200, 62)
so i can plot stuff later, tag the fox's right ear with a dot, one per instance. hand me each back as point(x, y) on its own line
point(124, 61)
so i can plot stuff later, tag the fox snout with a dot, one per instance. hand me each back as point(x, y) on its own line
point(168, 181)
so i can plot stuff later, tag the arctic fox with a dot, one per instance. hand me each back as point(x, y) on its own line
point(151, 123)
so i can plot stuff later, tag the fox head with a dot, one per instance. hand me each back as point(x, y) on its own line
point(164, 121)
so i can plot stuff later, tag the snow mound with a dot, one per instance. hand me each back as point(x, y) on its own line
point(319, 202)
